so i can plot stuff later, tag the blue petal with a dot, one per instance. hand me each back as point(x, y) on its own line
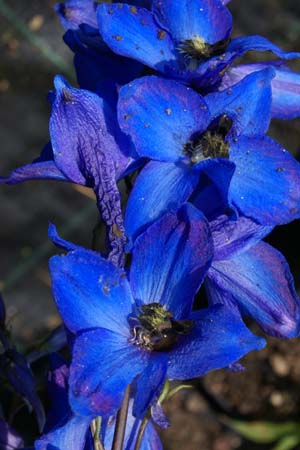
point(248, 103)
point(161, 116)
point(285, 87)
point(69, 436)
point(90, 292)
point(73, 13)
point(209, 198)
point(184, 240)
point(57, 240)
point(150, 384)
point(133, 32)
point(220, 172)
point(260, 283)
point(92, 67)
point(266, 183)
point(35, 171)
point(235, 236)
point(218, 338)
point(104, 363)
point(159, 188)
point(187, 19)
point(244, 44)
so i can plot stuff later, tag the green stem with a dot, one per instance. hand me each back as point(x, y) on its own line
point(121, 422)
point(95, 427)
point(37, 42)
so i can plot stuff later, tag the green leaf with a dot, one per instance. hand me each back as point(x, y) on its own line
point(288, 442)
point(264, 432)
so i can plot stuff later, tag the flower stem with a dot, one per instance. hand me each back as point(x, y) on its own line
point(95, 427)
point(121, 422)
point(141, 433)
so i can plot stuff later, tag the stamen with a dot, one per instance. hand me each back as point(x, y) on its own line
point(197, 49)
point(211, 144)
point(155, 329)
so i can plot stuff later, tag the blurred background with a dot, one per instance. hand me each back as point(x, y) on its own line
point(32, 52)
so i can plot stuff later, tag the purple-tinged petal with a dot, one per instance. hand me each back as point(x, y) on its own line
point(133, 32)
point(104, 364)
point(88, 147)
point(236, 368)
point(159, 188)
point(159, 417)
point(161, 116)
point(90, 292)
point(219, 338)
point(235, 236)
point(9, 438)
point(260, 283)
point(150, 384)
point(187, 19)
point(82, 126)
point(73, 13)
point(285, 87)
point(266, 183)
point(184, 241)
point(244, 44)
point(35, 171)
point(14, 368)
point(71, 435)
point(245, 102)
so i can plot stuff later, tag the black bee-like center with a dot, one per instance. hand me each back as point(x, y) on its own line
point(198, 50)
point(155, 329)
point(211, 144)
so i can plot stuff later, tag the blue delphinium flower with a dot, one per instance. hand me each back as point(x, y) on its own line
point(142, 328)
point(189, 40)
point(285, 86)
point(88, 148)
point(245, 271)
point(221, 135)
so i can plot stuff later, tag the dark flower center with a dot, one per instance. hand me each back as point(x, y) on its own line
point(197, 50)
point(211, 144)
point(156, 330)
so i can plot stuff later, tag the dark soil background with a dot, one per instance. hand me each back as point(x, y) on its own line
point(269, 388)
